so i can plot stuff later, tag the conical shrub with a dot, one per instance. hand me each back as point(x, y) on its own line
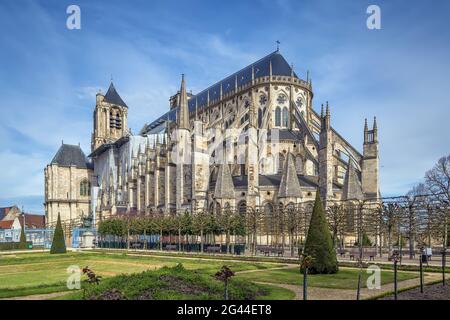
point(23, 239)
point(58, 243)
point(319, 243)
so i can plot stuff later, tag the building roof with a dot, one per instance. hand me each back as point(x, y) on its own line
point(285, 134)
point(224, 188)
point(8, 210)
point(289, 185)
point(274, 62)
point(6, 224)
point(274, 180)
point(113, 97)
point(352, 189)
point(71, 155)
point(33, 221)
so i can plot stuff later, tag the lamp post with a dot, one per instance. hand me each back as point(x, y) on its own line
point(395, 257)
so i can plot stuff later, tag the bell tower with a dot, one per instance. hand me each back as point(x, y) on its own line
point(110, 118)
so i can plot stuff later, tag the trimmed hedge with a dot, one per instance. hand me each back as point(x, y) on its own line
point(319, 243)
point(58, 243)
point(14, 245)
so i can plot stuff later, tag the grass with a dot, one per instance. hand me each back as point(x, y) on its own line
point(344, 279)
point(38, 273)
point(25, 274)
point(176, 283)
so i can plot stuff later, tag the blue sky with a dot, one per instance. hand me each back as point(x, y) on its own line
point(49, 75)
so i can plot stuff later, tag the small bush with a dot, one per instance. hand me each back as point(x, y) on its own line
point(176, 283)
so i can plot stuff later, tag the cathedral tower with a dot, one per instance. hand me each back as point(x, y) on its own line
point(110, 118)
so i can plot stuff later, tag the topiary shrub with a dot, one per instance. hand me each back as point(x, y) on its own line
point(23, 240)
point(58, 243)
point(319, 243)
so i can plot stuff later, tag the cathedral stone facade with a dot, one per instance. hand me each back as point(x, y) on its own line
point(252, 139)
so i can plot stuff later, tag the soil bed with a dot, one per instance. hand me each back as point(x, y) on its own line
point(430, 292)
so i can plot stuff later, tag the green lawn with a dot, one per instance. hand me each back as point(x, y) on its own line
point(344, 279)
point(25, 274)
point(36, 273)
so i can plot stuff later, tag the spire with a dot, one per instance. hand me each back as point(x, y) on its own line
point(352, 189)
point(224, 184)
point(183, 112)
point(366, 131)
point(289, 185)
point(196, 109)
point(113, 97)
point(321, 112)
point(375, 130)
point(327, 117)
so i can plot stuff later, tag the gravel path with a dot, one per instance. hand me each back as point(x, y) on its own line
point(45, 296)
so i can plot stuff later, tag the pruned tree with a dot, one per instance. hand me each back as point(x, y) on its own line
point(337, 218)
point(437, 182)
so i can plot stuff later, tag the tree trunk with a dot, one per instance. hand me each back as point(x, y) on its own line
point(227, 240)
point(179, 239)
point(145, 240)
point(201, 240)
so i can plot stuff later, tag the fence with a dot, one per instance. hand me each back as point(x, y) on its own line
point(401, 223)
point(41, 238)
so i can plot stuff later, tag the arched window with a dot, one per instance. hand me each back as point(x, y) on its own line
point(218, 210)
point(285, 117)
point(278, 117)
point(242, 207)
point(85, 188)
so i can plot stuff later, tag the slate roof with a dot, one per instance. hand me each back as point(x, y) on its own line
point(275, 180)
point(224, 188)
point(261, 68)
point(71, 155)
point(289, 185)
point(352, 188)
point(113, 97)
point(285, 134)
